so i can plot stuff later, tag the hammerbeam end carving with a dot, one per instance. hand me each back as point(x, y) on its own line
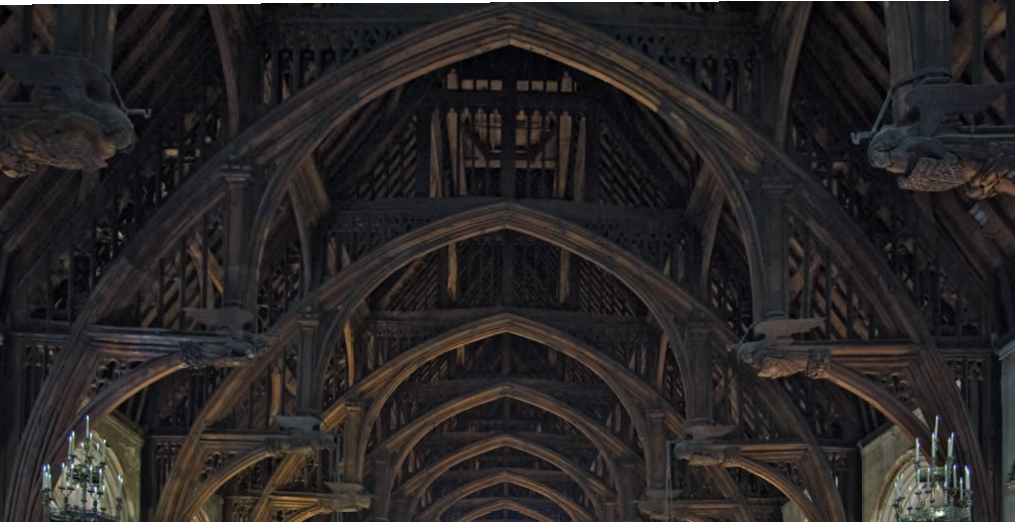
point(771, 356)
point(74, 121)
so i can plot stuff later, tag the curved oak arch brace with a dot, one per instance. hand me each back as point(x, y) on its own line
point(353, 284)
point(647, 283)
point(498, 505)
point(495, 217)
point(435, 510)
point(347, 89)
point(39, 440)
point(814, 466)
point(393, 451)
point(502, 323)
point(379, 385)
point(307, 514)
point(69, 378)
point(415, 486)
point(402, 441)
point(617, 378)
point(124, 388)
point(792, 492)
point(880, 399)
point(202, 492)
point(347, 288)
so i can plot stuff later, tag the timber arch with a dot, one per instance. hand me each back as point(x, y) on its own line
point(258, 223)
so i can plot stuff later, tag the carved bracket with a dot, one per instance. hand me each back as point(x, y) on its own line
point(75, 121)
point(225, 352)
point(706, 454)
point(300, 443)
point(936, 152)
point(348, 498)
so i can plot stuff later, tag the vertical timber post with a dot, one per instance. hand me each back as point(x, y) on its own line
point(656, 457)
point(87, 30)
point(774, 244)
point(919, 38)
point(698, 348)
point(238, 178)
point(308, 393)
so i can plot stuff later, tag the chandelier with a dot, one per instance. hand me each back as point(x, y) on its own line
point(82, 483)
point(940, 493)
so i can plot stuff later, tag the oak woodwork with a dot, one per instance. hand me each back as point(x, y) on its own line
point(722, 154)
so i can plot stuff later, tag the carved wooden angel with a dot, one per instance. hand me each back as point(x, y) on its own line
point(932, 151)
point(75, 120)
point(766, 354)
point(706, 454)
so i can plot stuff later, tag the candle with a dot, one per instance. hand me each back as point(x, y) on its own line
point(916, 457)
point(933, 441)
point(969, 483)
point(88, 427)
point(70, 446)
point(47, 479)
point(119, 487)
point(951, 444)
point(64, 475)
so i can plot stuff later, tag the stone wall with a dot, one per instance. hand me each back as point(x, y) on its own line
point(882, 460)
point(1008, 427)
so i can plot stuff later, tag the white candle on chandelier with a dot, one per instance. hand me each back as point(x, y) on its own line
point(933, 441)
point(88, 426)
point(64, 475)
point(70, 445)
point(916, 458)
point(47, 478)
point(951, 445)
point(119, 487)
point(969, 483)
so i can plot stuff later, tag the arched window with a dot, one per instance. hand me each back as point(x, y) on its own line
point(902, 471)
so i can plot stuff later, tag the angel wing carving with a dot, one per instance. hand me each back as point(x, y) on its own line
point(776, 329)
